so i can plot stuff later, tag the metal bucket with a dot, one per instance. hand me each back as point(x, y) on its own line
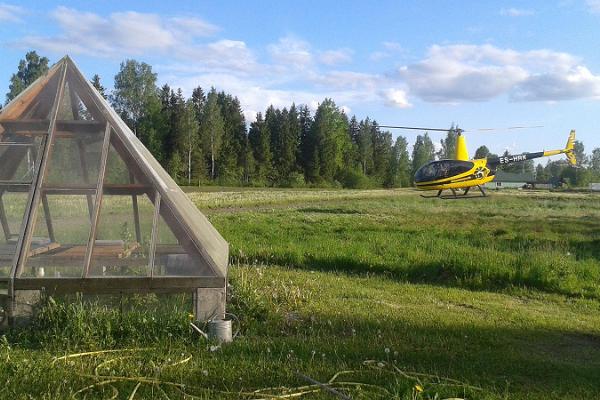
point(220, 330)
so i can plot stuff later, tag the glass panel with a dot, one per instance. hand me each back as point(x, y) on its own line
point(60, 237)
point(17, 158)
point(176, 254)
point(75, 161)
point(123, 237)
point(12, 209)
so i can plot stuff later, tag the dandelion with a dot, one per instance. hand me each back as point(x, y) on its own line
point(214, 348)
point(418, 388)
point(205, 372)
point(191, 317)
point(387, 350)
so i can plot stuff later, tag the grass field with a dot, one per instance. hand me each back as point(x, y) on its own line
point(403, 298)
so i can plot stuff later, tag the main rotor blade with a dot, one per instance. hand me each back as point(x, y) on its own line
point(414, 128)
point(506, 129)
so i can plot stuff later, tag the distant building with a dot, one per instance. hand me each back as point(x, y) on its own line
point(510, 180)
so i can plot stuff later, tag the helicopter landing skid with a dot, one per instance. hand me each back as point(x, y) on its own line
point(456, 196)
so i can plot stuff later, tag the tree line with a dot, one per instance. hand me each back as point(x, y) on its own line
point(204, 139)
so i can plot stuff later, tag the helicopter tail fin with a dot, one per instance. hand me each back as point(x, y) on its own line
point(569, 149)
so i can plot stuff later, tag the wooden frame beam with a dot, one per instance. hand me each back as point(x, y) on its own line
point(95, 213)
point(113, 190)
point(48, 217)
point(84, 172)
point(136, 211)
point(108, 285)
point(154, 236)
point(4, 219)
point(37, 127)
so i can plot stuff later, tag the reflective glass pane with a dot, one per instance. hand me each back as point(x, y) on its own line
point(176, 254)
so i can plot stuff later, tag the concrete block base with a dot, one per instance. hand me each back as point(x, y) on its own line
point(21, 307)
point(209, 303)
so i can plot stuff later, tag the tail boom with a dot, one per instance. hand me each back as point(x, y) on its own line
point(510, 159)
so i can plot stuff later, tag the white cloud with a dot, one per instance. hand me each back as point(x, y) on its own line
point(291, 51)
point(194, 26)
point(119, 34)
point(459, 73)
point(334, 57)
point(11, 13)
point(516, 12)
point(593, 6)
point(396, 98)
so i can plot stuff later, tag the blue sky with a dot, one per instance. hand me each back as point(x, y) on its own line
point(424, 63)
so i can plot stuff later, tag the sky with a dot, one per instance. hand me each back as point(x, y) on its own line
point(478, 64)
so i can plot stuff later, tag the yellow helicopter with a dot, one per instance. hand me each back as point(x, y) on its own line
point(464, 173)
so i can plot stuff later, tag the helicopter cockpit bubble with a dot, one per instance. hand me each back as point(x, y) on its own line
point(442, 169)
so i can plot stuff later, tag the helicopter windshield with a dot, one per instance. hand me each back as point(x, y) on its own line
point(442, 169)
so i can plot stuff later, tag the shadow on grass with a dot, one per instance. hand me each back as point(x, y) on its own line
point(448, 274)
point(525, 362)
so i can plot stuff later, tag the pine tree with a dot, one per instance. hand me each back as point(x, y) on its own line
point(212, 131)
point(259, 140)
point(232, 154)
point(330, 131)
point(402, 167)
point(152, 128)
point(307, 146)
point(31, 68)
point(188, 137)
point(482, 152)
point(423, 152)
point(382, 150)
point(448, 148)
point(96, 84)
point(364, 144)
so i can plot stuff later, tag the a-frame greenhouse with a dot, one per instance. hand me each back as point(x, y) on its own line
point(85, 207)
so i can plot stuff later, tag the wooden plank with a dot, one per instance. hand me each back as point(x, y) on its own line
point(107, 285)
point(40, 174)
point(16, 107)
point(95, 213)
point(43, 249)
